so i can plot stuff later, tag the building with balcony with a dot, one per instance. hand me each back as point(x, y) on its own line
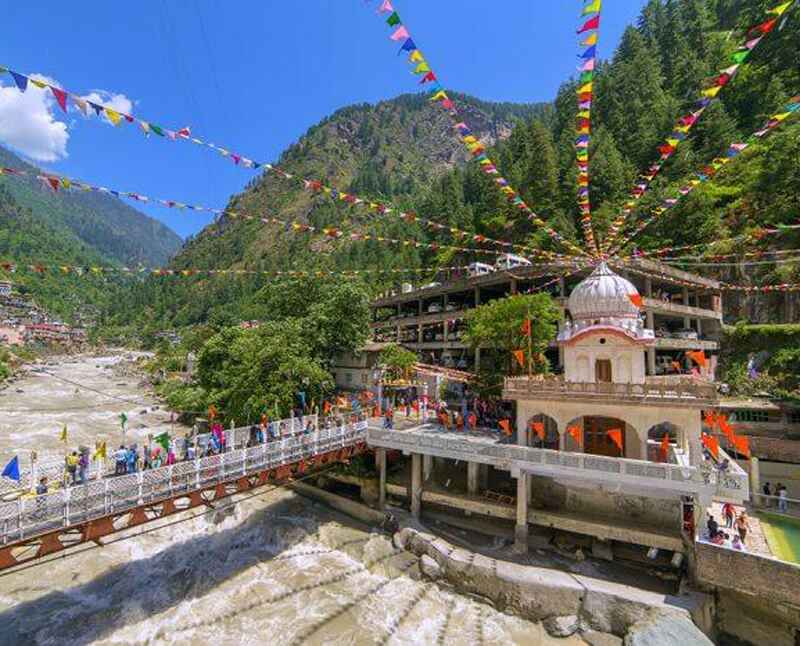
point(683, 310)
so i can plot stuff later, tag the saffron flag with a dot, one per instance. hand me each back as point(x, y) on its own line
point(575, 433)
point(699, 357)
point(710, 419)
point(212, 412)
point(665, 447)
point(538, 428)
point(400, 33)
point(526, 327)
point(636, 299)
point(326, 407)
point(615, 435)
point(592, 23)
point(742, 445)
point(505, 425)
point(727, 429)
point(711, 443)
point(519, 355)
point(591, 39)
point(11, 470)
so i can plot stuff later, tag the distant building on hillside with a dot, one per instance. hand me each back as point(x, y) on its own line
point(5, 288)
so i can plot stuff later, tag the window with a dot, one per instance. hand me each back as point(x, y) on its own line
point(751, 416)
point(602, 370)
point(348, 377)
point(794, 417)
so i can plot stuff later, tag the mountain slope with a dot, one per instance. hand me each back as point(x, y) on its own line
point(118, 232)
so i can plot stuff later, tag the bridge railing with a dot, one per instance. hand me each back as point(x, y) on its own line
point(35, 515)
point(236, 438)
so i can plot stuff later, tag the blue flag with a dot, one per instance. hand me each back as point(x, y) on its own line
point(589, 53)
point(408, 46)
point(12, 469)
point(20, 80)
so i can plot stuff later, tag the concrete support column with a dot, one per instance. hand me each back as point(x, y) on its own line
point(699, 328)
point(477, 359)
point(483, 476)
point(651, 361)
point(755, 482)
point(415, 495)
point(562, 288)
point(427, 467)
point(521, 528)
point(420, 310)
point(685, 296)
point(380, 459)
point(687, 323)
point(643, 449)
point(472, 477)
point(650, 320)
point(477, 296)
point(648, 287)
point(513, 286)
point(419, 334)
point(562, 441)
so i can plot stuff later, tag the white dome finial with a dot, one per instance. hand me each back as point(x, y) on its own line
point(604, 295)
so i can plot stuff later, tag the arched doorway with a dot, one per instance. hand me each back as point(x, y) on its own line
point(656, 441)
point(605, 436)
point(539, 425)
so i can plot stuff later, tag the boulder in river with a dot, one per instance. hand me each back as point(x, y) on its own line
point(562, 626)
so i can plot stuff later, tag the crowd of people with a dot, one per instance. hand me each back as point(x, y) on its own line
point(780, 492)
point(738, 527)
point(473, 414)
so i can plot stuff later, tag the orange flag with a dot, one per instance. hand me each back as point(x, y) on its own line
point(711, 443)
point(526, 327)
point(726, 429)
point(698, 357)
point(710, 418)
point(212, 411)
point(519, 355)
point(326, 407)
point(636, 299)
point(575, 434)
point(616, 437)
point(665, 447)
point(538, 428)
point(742, 445)
point(506, 426)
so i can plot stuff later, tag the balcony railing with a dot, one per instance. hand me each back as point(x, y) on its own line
point(653, 390)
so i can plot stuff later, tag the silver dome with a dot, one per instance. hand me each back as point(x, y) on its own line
point(603, 295)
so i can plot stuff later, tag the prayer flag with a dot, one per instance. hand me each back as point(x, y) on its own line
point(594, 7)
point(408, 46)
point(20, 79)
point(665, 447)
point(699, 357)
point(742, 445)
point(11, 470)
point(519, 355)
point(416, 57)
point(592, 23)
point(740, 56)
point(422, 68)
point(61, 97)
point(326, 407)
point(583, 89)
point(711, 443)
point(430, 76)
point(615, 435)
point(636, 299)
point(100, 450)
point(781, 8)
point(162, 440)
point(393, 20)
point(726, 428)
point(440, 95)
point(505, 425)
point(575, 433)
point(63, 436)
point(591, 39)
point(538, 428)
point(712, 91)
point(526, 327)
point(710, 419)
point(123, 420)
point(113, 116)
point(400, 33)
point(591, 52)
point(212, 412)
point(386, 7)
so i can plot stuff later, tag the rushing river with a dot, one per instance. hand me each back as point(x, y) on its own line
point(271, 569)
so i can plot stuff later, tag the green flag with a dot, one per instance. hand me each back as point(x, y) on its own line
point(163, 440)
point(738, 57)
point(123, 420)
point(393, 20)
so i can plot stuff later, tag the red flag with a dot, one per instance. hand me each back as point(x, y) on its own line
point(742, 445)
point(506, 426)
point(665, 447)
point(764, 27)
point(526, 327)
point(615, 434)
point(429, 77)
point(61, 97)
point(636, 299)
point(54, 183)
point(592, 23)
point(538, 428)
point(575, 433)
point(519, 355)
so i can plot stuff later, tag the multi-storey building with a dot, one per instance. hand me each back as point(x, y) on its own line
point(683, 310)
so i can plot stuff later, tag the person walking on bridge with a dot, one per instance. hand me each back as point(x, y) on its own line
point(72, 467)
point(120, 461)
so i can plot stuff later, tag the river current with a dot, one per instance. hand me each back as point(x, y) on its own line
point(271, 569)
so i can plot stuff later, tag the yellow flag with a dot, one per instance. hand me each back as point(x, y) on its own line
point(712, 91)
point(40, 84)
point(673, 142)
point(591, 39)
point(64, 433)
point(470, 139)
point(441, 94)
point(585, 88)
point(113, 116)
point(584, 114)
point(416, 56)
point(100, 450)
point(594, 7)
point(781, 116)
point(781, 8)
point(422, 68)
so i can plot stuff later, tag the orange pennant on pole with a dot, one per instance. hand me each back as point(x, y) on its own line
point(711, 443)
point(727, 429)
point(575, 433)
point(506, 426)
point(616, 437)
point(710, 419)
point(326, 407)
point(742, 445)
point(519, 355)
point(526, 327)
point(698, 357)
point(636, 299)
point(538, 428)
point(665, 447)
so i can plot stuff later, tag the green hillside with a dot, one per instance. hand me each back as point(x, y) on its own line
point(113, 229)
point(404, 149)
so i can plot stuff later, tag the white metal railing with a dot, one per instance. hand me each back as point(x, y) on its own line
point(35, 515)
point(679, 477)
point(54, 468)
point(777, 504)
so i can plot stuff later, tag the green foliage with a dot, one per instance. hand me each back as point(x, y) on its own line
point(398, 360)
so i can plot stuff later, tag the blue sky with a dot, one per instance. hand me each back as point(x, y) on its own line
point(253, 76)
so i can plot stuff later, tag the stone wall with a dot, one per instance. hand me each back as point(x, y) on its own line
point(771, 580)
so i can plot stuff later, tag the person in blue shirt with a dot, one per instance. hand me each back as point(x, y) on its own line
point(132, 459)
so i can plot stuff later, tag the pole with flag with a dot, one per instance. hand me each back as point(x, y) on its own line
point(123, 421)
point(11, 470)
point(526, 330)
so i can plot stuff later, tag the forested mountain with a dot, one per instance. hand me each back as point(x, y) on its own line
point(405, 150)
point(116, 231)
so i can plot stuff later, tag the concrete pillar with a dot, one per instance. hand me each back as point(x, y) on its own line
point(380, 459)
point(427, 467)
point(562, 441)
point(687, 323)
point(420, 337)
point(477, 359)
point(521, 528)
point(562, 288)
point(699, 328)
point(415, 495)
point(420, 307)
point(685, 295)
point(643, 449)
point(477, 296)
point(513, 286)
point(755, 482)
point(483, 476)
point(648, 287)
point(650, 320)
point(651, 361)
point(472, 477)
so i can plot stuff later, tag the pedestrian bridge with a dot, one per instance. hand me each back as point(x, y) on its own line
point(35, 526)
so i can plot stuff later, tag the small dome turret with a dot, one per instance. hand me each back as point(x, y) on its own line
point(603, 295)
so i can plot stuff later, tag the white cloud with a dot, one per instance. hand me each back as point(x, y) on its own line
point(118, 102)
point(28, 123)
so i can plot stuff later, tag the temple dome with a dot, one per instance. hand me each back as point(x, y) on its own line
point(603, 295)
